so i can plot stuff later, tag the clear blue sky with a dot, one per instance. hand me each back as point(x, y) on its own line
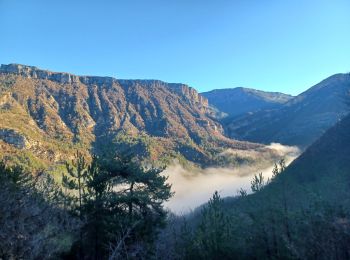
point(272, 45)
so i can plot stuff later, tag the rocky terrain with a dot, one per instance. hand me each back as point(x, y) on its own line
point(46, 116)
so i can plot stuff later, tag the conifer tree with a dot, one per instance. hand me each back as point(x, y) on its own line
point(258, 182)
point(116, 200)
point(214, 232)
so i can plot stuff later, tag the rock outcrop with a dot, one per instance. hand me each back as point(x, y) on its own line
point(60, 77)
point(14, 138)
point(66, 78)
point(63, 112)
point(190, 93)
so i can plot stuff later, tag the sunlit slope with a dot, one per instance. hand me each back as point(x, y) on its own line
point(46, 116)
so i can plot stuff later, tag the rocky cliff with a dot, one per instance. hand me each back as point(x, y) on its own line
point(155, 120)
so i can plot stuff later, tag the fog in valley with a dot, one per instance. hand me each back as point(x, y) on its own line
point(193, 188)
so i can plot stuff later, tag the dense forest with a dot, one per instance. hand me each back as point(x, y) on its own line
point(102, 210)
point(113, 209)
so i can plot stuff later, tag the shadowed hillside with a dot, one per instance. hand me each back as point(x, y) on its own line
point(238, 101)
point(301, 120)
point(302, 212)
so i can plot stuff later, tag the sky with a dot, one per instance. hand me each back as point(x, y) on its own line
point(271, 45)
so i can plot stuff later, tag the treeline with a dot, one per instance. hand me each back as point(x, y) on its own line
point(105, 209)
point(32, 222)
point(272, 223)
point(113, 209)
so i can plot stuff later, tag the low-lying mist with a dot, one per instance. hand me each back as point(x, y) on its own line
point(195, 187)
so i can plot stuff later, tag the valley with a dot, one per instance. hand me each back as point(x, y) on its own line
point(54, 114)
point(179, 147)
point(174, 130)
point(194, 187)
point(47, 116)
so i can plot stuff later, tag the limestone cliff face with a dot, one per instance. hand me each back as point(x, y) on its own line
point(153, 106)
point(35, 73)
point(62, 112)
point(59, 77)
point(191, 94)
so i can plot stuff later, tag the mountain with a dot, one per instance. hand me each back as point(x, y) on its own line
point(319, 175)
point(303, 212)
point(238, 101)
point(46, 116)
point(301, 120)
point(326, 162)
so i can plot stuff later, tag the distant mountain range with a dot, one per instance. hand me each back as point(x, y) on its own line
point(238, 101)
point(46, 116)
point(300, 121)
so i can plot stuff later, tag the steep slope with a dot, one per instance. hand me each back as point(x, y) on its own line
point(301, 120)
point(47, 115)
point(238, 101)
point(320, 174)
point(326, 162)
point(303, 213)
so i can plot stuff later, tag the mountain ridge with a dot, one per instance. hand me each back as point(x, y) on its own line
point(58, 113)
point(64, 77)
point(240, 100)
point(299, 121)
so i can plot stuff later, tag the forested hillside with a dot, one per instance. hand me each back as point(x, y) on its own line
point(300, 121)
point(303, 212)
point(239, 101)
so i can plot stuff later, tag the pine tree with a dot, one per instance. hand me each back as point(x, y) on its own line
point(119, 203)
point(214, 233)
point(258, 182)
point(31, 220)
point(138, 196)
point(75, 181)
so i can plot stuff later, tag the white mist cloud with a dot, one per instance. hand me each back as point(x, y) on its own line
point(285, 150)
point(193, 188)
